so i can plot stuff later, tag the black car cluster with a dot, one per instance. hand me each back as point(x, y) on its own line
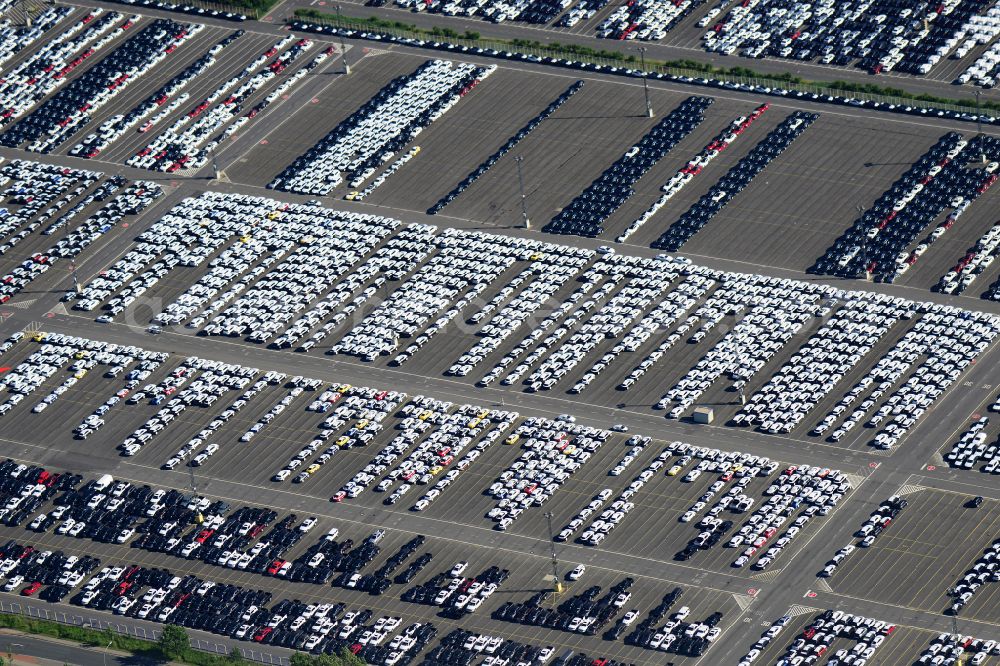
point(29, 569)
point(584, 613)
point(585, 214)
point(940, 179)
point(735, 180)
point(704, 540)
point(138, 54)
point(452, 650)
point(19, 490)
point(377, 582)
point(505, 148)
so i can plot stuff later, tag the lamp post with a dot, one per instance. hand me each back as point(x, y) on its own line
point(112, 640)
point(556, 583)
point(520, 184)
point(645, 84)
point(343, 51)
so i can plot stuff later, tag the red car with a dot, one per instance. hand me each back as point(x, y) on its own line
point(275, 566)
point(31, 589)
point(262, 635)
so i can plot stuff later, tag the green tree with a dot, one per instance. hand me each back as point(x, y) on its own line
point(300, 659)
point(173, 641)
point(236, 657)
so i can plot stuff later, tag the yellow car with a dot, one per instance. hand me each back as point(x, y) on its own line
point(474, 423)
point(344, 388)
point(343, 441)
point(351, 196)
point(245, 239)
point(536, 256)
point(274, 215)
point(512, 439)
point(436, 469)
point(674, 471)
point(362, 424)
point(38, 337)
point(312, 469)
point(483, 414)
point(569, 450)
point(80, 374)
point(83, 353)
point(426, 415)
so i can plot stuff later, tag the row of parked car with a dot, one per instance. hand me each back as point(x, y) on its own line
point(948, 649)
point(694, 166)
point(354, 149)
point(585, 215)
point(979, 30)
point(734, 181)
point(457, 595)
point(870, 529)
point(765, 639)
point(462, 648)
point(28, 569)
point(508, 145)
point(586, 613)
point(920, 110)
point(985, 570)
point(115, 127)
point(973, 264)
point(60, 116)
point(186, 9)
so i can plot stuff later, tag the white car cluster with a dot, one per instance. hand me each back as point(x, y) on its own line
point(119, 359)
point(362, 409)
point(50, 67)
point(694, 166)
point(116, 126)
point(396, 257)
point(454, 443)
point(186, 143)
point(973, 447)
point(818, 490)
point(768, 311)
point(381, 127)
point(130, 202)
point(553, 450)
point(979, 30)
point(14, 38)
point(976, 261)
point(612, 516)
point(985, 570)
point(816, 640)
point(647, 20)
point(463, 267)
point(947, 650)
point(500, 317)
point(213, 380)
point(381, 178)
point(946, 338)
point(583, 514)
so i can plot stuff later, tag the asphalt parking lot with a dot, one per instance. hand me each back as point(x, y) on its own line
point(780, 224)
point(922, 554)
